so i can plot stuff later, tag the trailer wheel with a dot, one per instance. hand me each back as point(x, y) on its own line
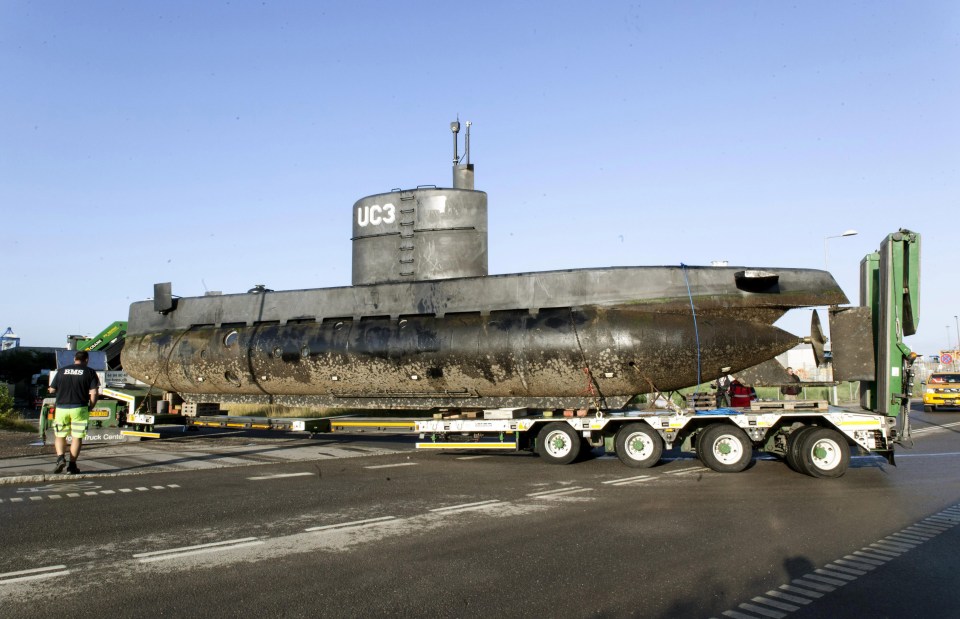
point(638, 445)
point(824, 453)
point(725, 448)
point(794, 446)
point(927, 408)
point(558, 443)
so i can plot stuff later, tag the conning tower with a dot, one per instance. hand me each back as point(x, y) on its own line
point(425, 233)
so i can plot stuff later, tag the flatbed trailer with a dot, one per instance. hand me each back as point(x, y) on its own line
point(812, 438)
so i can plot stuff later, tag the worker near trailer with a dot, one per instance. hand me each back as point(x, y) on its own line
point(76, 388)
point(791, 391)
point(723, 388)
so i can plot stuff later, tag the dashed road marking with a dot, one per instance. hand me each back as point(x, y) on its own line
point(549, 494)
point(777, 604)
point(472, 457)
point(356, 524)
point(688, 470)
point(185, 551)
point(390, 466)
point(37, 573)
point(626, 481)
point(73, 495)
point(466, 506)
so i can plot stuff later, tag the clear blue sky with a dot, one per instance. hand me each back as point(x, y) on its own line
point(223, 144)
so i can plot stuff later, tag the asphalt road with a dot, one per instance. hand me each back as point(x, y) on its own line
point(456, 535)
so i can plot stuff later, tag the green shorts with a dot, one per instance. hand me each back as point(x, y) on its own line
point(69, 421)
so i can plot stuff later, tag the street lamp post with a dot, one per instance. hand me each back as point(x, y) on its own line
point(826, 267)
point(826, 257)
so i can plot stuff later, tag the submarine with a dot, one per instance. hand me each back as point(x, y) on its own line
point(424, 326)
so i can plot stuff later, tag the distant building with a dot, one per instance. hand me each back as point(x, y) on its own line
point(800, 358)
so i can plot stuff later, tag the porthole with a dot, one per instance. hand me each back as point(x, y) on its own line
point(231, 377)
point(277, 352)
point(231, 338)
point(305, 352)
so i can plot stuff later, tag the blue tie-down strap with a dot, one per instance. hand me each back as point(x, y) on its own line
point(721, 411)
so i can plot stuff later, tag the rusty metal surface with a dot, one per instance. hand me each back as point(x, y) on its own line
point(558, 358)
point(851, 331)
point(768, 374)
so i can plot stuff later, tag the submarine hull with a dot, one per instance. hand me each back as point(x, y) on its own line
point(561, 339)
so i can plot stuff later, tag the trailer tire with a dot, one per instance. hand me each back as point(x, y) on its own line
point(638, 445)
point(558, 443)
point(927, 408)
point(725, 448)
point(824, 453)
point(794, 445)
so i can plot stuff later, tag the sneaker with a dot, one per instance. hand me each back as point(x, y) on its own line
point(61, 463)
point(72, 469)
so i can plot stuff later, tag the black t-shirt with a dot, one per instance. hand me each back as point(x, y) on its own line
point(73, 385)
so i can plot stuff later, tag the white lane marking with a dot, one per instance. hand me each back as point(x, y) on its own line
point(785, 596)
point(16, 500)
point(91, 493)
point(832, 574)
point(172, 553)
point(566, 492)
point(690, 469)
point(354, 524)
point(817, 586)
point(464, 506)
point(280, 476)
point(735, 615)
point(471, 457)
point(172, 486)
point(914, 538)
point(142, 488)
point(6, 581)
point(72, 494)
point(158, 488)
point(126, 490)
point(54, 496)
point(935, 428)
point(36, 570)
point(896, 543)
point(829, 581)
point(763, 611)
point(388, 466)
point(36, 498)
point(627, 480)
point(884, 552)
point(801, 591)
point(939, 455)
point(554, 491)
point(107, 492)
point(775, 603)
point(853, 565)
point(863, 557)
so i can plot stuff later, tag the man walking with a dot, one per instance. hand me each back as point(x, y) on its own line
point(76, 388)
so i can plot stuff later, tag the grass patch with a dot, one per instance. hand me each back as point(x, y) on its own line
point(13, 421)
